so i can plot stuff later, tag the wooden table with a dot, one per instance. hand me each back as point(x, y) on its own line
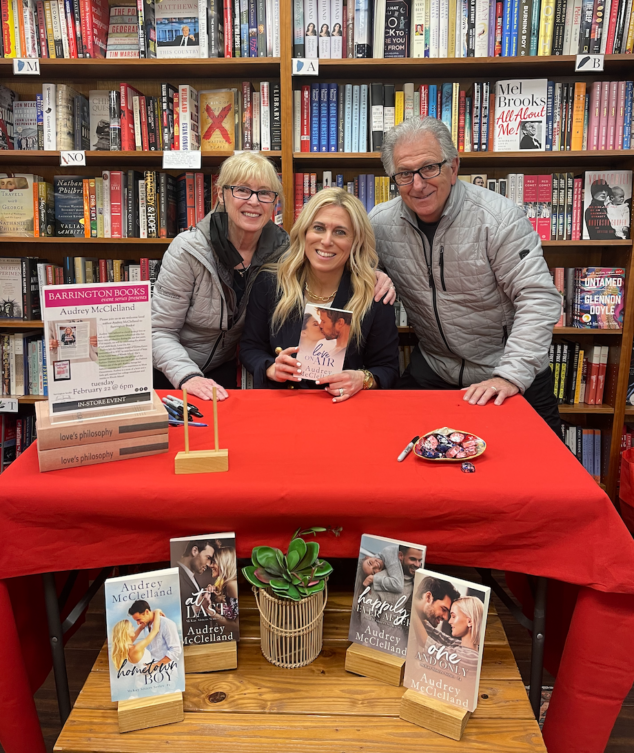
point(320, 708)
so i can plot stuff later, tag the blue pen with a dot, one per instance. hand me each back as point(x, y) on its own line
point(174, 422)
point(172, 412)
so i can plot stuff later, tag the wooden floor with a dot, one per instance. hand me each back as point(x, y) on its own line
point(212, 692)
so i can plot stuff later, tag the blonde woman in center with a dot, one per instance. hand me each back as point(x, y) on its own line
point(124, 647)
point(331, 263)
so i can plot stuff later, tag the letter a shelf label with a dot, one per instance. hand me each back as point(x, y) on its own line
point(305, 67)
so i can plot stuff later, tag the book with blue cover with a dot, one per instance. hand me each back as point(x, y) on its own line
point(145, 638)
point(323, 117)
point(333, 96)
point(314, 117)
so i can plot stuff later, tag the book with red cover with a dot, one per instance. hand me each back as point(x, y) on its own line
point(531, 199)
point(544, 207)
point(199, 183)
point(603, 365)
point(462, 106)
point(424, 100)
point(94, 27)
point(177, 122)
point(116, 203)
point(247, 115)
point(594, 358)
point(604, 114)
point(127, 116)
point(299, 193)
point(228, 27)
point(577, 201)
point(304, 138)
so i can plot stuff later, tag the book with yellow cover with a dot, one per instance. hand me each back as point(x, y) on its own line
point(217, 110)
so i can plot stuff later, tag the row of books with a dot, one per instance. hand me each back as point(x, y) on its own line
point(166, 29)
point(592, 297)
point(369, 189)
point(22, 279)
point(124, 119)
point(16, 434)
point(585, 445)
point(511, 115)
point(460, 28)
point(579, 374)
point(23, 364)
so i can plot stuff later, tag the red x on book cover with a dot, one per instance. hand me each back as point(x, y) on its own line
point(217, 120)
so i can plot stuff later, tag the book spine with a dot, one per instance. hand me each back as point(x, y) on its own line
point(298, 28)
point(332, 117)
point(546, 27)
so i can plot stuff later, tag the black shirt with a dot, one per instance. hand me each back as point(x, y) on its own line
point(429, 228)
point(239, 285)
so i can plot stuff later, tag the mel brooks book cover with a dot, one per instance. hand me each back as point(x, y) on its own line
point(383, 593)
point(208, 576)
point(145, 642)
point(446, 638)
point(323, 341)
point(520, 115)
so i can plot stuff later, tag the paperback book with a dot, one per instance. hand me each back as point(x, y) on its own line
point(323, 341)
point(446, 638)
point(145, 641)
point(208, 576)
point(607, 205)
point(382, 601)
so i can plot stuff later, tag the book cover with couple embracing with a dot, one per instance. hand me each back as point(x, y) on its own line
point(323, 341)
point(383, 591)
point(208, 576)
point(145, 640)
point(446, 638)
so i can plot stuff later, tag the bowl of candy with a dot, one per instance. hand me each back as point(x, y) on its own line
point(449, 445)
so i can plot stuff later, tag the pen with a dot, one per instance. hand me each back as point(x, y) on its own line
point(174, 422)
point(191, 408)
point(173, 413)
point(407, 450)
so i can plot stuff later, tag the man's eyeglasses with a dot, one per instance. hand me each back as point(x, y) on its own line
point(242, 192)
point(426, 172)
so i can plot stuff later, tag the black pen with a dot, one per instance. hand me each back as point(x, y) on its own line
point(190, 408)
point(407, 450)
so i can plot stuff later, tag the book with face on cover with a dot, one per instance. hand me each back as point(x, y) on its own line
point(520, 115)
point(446, 638)
point(208, 575)
point(145, 640)
point(323, 341)
point(383, 593)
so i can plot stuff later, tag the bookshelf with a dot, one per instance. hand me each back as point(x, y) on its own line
point(147, 75)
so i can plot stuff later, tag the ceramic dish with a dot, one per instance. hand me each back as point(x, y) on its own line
point(449, 446)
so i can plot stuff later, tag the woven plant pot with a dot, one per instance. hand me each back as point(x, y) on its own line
point(291, 632)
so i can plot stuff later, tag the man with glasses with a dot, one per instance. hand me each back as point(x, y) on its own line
point(470, 271)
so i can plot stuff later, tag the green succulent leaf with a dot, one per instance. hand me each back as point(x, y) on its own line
point(263, 575)
point(312, 552)
point(296, 580)
point(249, 574)
point(323, 569)
point(299, 546)
point(292, 559)
point(310, 590)
point(280, 559)
point(279, 584)
point(267, 558)
point(294, 594)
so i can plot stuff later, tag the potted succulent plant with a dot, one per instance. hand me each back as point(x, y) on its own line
point(290, 591)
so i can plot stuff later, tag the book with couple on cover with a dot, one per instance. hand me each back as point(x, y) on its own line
point(323, 341)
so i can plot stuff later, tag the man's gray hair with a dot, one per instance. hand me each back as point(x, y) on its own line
point(409, 130)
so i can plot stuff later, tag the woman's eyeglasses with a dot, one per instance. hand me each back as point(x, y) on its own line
point(426, 172)
point(242, 192)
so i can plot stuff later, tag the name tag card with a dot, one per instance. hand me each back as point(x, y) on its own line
point(8, 405)
point(589, 63)
point(177, 160)
point(72, 159)
point(305, 67)
point(26, 67)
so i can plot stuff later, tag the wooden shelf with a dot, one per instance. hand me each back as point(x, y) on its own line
point(124, 69)
point(556, 331)
point(586, 244)
point(115, 160)
point(629, 410)
point(416, 69)
point(83, 241)
point(27, 399)
point(583, 408)
point(20, 324)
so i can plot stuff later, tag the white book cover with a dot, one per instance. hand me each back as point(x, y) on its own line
point(443, 29)
point(446, 638)
point(323, 341)
point(607, 205)
point(134, 271)
point(98, 101)
point(408, 101)
point(10, 288)
point(107, 219)
point(49, 116)
point(434, 28)
point(482, 29)
point(383, 591)
point(177, 29)
point(16, 201)
point(30, 27)
point(275, 29)
point(265, 117)
point(363, 118)
point(356, 102)
point(297, 120)
point(145, 636)
point(25, 125)
point(557, 117)
point(188, 118)
point(462, 36)
point(347, 119)
point(323, 26)
point(136, 109)
point(16, 361)
point(326, 179)
point(256, 121)
point(203, 28)
point(268, 27)
point(336, 33)
point(378, 44)
point(417, 34)
point(520, 115)
point(606, 16)
point(311, 20)
point(64, 28)
point(99, 346)
point(362, 26)
point(55, 21)
point(576, 27)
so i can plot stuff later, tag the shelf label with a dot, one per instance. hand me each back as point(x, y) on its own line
point(8, 405)
point(589, 63)
point(177, 160)
point(72, 159)
point(305, 67)
point(26, 67)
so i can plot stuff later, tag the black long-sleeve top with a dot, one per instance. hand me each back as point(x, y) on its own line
point(378, 351)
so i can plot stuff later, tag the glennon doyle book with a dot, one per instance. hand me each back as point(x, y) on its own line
point(446, 638)
point(99, 346)
point(520, 115)
point(145, 641)
point(607, 205)
point(208, 575)
point(323, 341)
point(599, 299)
point(383, 593)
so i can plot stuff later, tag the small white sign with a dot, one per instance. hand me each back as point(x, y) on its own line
point(8, 405)
point(72, 159)
point(589, 63)
point(177, 160)
point(26, 67)
point(305, 67)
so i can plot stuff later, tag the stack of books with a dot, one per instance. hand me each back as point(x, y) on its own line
point(585, 445)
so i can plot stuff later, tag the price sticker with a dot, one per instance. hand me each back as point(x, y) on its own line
point(26, 67)
point(589, 63)
point(72, 159)
point(177, 160)
point(305, 67)
point(8, 405)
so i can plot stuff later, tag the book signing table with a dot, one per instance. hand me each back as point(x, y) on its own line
point(295, 459)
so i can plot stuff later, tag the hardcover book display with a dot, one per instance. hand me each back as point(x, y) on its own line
point(607, 205)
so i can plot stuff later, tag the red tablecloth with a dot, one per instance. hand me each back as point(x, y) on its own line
point(297, 459)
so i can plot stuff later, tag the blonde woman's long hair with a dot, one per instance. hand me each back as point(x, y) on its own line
point(473, 609)
point(292, 272)
point(120, 643)
point(226, 560)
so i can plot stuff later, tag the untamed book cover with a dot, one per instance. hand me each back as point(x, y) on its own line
point(383, 593)
point(446, 638)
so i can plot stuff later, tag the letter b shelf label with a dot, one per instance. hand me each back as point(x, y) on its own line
point(589, 63)
point(72, 159)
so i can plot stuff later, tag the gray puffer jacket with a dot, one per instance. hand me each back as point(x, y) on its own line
point(195, 323)
point(481, 300)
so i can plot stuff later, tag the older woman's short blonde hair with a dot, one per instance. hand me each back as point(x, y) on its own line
point(249, 166)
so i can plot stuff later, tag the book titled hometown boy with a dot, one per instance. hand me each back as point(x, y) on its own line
point(446, 638)
point(145, 640)
point(383, 593)
point(208, 575)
